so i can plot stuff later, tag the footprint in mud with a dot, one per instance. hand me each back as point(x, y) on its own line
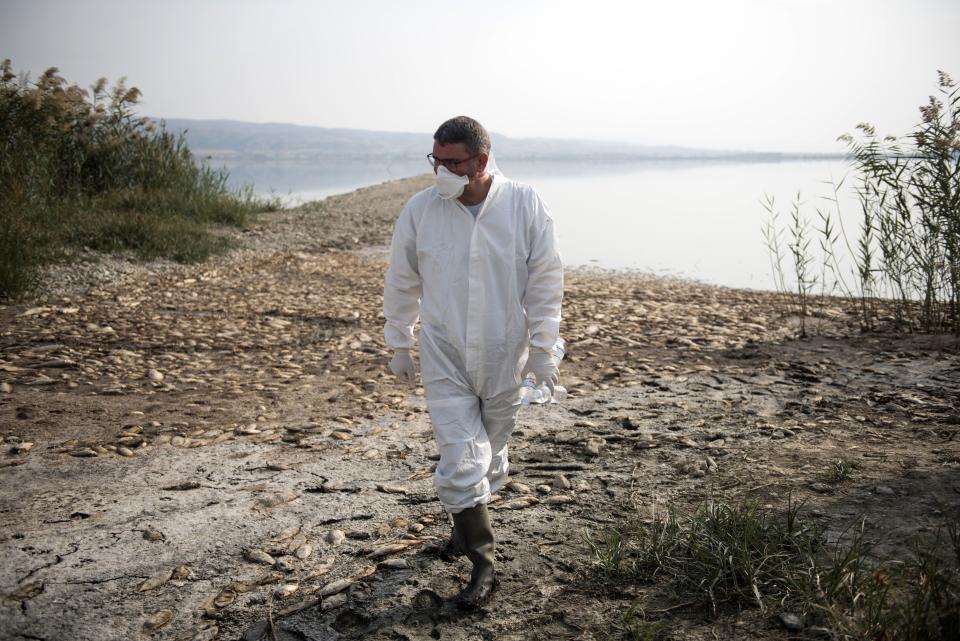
point(426, 601)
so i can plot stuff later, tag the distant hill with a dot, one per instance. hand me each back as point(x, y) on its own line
point(225, 139)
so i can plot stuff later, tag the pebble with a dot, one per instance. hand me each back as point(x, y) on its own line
point(6, 388)
point(884, 490)
point(561, 482)
point(155, 375)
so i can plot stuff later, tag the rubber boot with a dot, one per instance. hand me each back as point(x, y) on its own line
point(453, 549)
point(476, 535)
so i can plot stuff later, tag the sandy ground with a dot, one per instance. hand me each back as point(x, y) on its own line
point(206, 451)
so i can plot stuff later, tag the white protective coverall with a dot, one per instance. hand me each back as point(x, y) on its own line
point(484, 289)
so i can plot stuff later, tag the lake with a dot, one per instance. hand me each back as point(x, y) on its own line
point(700, 220)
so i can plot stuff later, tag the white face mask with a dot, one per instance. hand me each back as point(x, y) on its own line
point(450, 185)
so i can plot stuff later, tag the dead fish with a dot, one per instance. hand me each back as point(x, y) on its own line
point(157, 620)
point(258, 556)
point(156, 580)
point(335, 587)
point(152, 534)
point(25, 591)
point(206, 634)
point(335, 537)
point(687, 442)
point(516, 504)
point(21, 448)
point(84, 452)
point(279, 498)
point(394, 564)
point(125, 451)
point(559, 499)
point(181, 573)
point(180, 487)
point(225, 598)
point(304, 551)
point(283, 565)
point(240, 587)
point(387, 550)
point(286, 590)
point(288, 533)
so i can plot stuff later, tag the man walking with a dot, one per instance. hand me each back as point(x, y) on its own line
point(475, 259)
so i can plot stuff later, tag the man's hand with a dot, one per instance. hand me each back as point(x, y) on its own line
point(544, 366)
point(403, 368)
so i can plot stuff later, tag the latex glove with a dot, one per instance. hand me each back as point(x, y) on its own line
point(403, 368)
point(544, 366)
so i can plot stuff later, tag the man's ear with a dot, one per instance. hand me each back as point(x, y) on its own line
point(482, 160)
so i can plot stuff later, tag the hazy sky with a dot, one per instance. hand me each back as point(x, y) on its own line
point(751, 74)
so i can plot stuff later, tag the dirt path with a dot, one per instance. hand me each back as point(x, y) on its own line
point(170, 429)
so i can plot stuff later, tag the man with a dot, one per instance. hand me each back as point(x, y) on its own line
point(475, 259)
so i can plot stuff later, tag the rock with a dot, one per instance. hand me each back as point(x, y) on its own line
point(561, 482)
point(304, 551)
point(5, 388)
point(822, 488)
point(155, 376)
point(283, 565)
point(884, 490)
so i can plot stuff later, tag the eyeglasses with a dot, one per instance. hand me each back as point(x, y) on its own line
point(449, 163)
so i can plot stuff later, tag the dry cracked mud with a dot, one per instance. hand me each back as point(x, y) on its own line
point(215, 451)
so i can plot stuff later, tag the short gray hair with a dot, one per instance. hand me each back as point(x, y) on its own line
point(466, 130)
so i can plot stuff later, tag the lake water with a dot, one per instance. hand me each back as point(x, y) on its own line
point(692, 219)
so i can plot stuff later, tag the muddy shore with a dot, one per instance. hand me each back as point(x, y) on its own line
point(193, 450)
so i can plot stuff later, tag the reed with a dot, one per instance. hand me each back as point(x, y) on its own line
point(907, 255)
point(78, 168)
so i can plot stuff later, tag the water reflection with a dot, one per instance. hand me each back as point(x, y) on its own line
point(698, 219)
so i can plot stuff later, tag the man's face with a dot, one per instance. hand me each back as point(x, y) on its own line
point(457, 159)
